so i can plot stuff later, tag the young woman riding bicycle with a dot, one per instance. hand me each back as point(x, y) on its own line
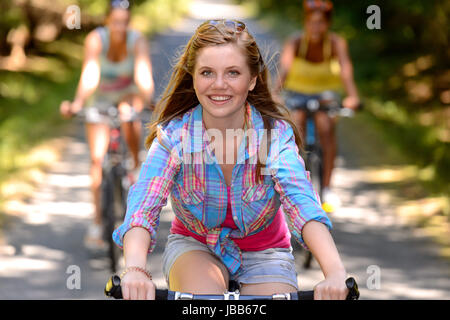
point(314, 61)
point(230, 190)
point(116, 72)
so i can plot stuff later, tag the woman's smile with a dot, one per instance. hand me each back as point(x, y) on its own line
point(220, 99)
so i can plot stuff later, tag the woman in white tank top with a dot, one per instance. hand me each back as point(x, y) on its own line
point(116, 71)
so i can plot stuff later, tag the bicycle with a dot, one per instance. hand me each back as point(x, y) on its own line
point(114, 290)
point(115, 184)
point(327, 101)
point(115, 178)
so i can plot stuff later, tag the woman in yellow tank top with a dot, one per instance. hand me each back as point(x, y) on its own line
point(312, 62)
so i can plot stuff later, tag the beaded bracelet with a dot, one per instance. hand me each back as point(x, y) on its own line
point(139, 269)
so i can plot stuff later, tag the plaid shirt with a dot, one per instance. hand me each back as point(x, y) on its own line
point(192, 176)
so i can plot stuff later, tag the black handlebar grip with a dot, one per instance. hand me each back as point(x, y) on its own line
point(114, 290)
point(350, 283)
point(161, 294)
point(305, 295)
point(352, 286)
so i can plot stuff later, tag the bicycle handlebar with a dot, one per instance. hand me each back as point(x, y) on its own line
point(327, 101)
point(113, 289)
point(331, 109)
point(109, 114)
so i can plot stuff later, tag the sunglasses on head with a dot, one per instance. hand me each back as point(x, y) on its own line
point(121, 4)
point(235, 25)
point(238, 27)
point(318, 5)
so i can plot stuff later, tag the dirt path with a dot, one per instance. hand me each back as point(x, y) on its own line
point(44, 235)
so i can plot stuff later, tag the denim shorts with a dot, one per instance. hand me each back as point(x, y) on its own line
point(270, 265)
point(297, 101)
point(98, 113)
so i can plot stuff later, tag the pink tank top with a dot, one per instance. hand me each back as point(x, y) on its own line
point(276, 235)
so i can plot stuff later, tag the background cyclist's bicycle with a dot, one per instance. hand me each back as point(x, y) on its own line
point(328, 102)
point(116, 179)
point(115, 183)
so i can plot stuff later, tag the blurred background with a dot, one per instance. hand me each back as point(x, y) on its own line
point(397, 150)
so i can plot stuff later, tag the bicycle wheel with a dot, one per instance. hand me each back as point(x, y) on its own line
point(120, 206)
point(108, 214)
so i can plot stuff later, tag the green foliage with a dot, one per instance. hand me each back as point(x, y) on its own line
point(29, 114)
point(408, 27)
point(153, 16)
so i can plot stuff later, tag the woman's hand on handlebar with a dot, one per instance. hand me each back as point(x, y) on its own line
point(351, 102)
point(137, 286)
point(68, 108)
point(332, 288)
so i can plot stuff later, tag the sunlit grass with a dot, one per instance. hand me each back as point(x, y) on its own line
point(67, 48)
point(432, 216)
point(391, 174)
point(29, 116)
point(425, 145)
point(19, 175)
point(412, 201)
